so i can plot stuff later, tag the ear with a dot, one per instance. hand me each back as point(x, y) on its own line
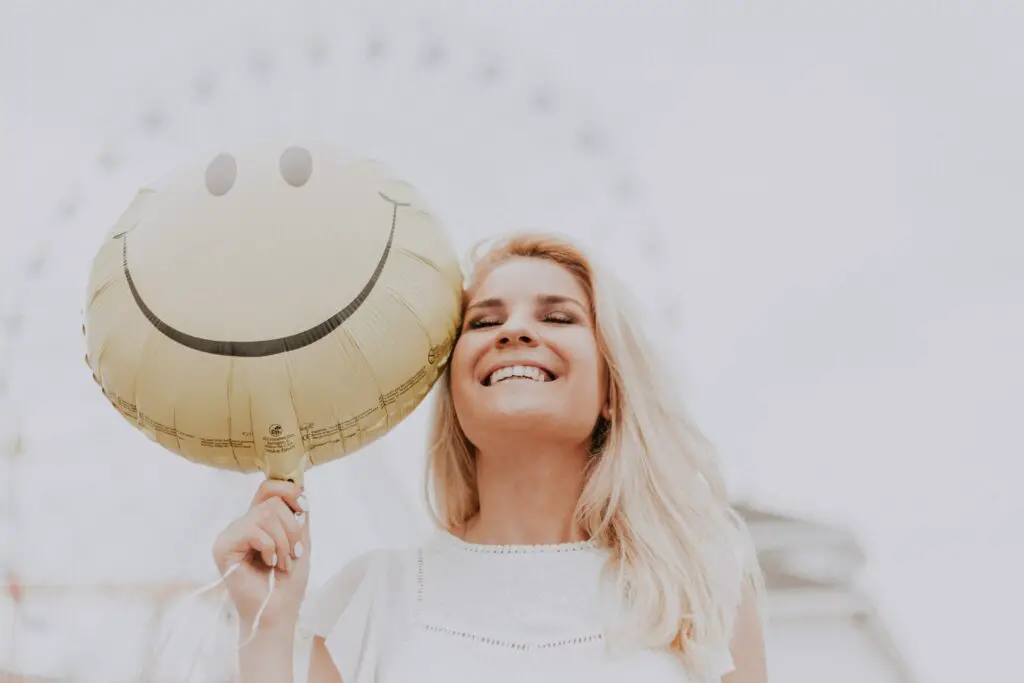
point(606, 412)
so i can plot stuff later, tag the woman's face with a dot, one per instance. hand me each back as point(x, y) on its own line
point(527, 361)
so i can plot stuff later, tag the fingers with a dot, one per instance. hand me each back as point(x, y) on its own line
point(276, 528)
point(273, 488)
point(276, 520)
point(273, 526)
point(263, 543)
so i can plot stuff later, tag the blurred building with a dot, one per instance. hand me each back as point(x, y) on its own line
point(821, 626)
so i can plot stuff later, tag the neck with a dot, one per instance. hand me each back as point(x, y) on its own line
point(528, 495)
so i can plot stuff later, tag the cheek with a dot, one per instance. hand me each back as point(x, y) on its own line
point(597, 379)
point(590, 375)
point(462, 365)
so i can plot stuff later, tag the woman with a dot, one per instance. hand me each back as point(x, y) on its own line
point(585, 532)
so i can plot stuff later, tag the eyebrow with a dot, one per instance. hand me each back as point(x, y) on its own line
point(541, 299)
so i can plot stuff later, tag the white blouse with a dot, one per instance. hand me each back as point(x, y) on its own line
point(457, 612)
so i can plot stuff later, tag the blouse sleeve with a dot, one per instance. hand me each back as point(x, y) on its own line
point(347, 613)
point(721, 664)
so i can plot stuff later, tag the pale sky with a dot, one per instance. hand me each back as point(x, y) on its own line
point(831, 192)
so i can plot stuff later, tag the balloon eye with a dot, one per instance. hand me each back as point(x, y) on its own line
point(221, 174)
point(296, 166)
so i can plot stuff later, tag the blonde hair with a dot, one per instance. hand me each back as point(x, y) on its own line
point(680, 556)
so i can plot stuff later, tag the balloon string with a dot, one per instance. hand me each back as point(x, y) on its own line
point(182, 614)
point(259, 613)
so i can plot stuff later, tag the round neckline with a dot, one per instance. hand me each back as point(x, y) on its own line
point(508, 549)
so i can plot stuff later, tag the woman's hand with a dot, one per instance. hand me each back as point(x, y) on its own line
point(274, 532)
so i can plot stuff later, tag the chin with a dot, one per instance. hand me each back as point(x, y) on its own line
point(538, 412)
point(507, 423)
point(511, 415)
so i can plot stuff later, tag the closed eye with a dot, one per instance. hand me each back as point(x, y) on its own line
point(557, 318)
point(560, 318)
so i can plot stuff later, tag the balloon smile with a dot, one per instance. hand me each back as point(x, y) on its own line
point(267, 347)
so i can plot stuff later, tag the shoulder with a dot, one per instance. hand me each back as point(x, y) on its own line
point(357, 590)
point(350, 612)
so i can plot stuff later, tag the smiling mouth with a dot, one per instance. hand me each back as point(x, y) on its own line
point(523, 373)
point(263, 347)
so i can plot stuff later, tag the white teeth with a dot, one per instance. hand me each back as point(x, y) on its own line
point(526, 371)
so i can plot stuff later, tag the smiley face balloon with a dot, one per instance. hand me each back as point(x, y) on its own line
point(272, 309)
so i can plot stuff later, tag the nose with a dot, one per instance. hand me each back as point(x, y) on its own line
point(515, 334)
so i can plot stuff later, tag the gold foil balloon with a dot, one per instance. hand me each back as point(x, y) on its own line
point(272, 309)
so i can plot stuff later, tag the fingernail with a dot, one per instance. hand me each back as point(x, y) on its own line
point(301, 519)
point(273, 560)
point(298, 550)
point(303, 505)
